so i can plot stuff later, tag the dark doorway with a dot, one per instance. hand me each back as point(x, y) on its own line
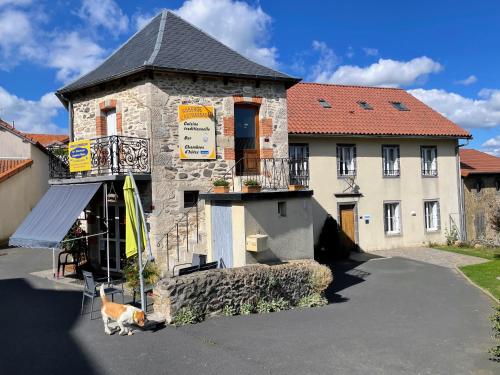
point(246, 138)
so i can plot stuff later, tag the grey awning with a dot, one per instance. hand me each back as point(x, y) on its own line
point(53, 216)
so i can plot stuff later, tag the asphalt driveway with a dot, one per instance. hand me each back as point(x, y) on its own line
point(386, 316)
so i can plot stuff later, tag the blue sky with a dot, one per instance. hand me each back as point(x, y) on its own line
point(446, 53)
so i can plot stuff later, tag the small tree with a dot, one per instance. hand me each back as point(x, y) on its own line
point(330, 246)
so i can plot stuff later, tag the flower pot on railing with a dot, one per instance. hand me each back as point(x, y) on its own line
point(221, 186)
point(295, 187)
point(251, 186)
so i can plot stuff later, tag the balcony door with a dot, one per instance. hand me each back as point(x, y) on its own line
point(246, 138)
point(299, 163)
point(116, 217)
point(112, 131)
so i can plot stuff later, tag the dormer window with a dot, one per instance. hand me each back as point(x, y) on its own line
point(399, 106)
point(365, 105)
point(324, 103)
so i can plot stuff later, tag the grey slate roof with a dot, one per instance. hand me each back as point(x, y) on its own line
point(170, 43)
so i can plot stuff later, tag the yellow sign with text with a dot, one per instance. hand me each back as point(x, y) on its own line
point(79, 156)
point(196, 132)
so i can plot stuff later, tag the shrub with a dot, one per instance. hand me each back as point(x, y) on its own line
point(279, 304)
point(187, 315)
point(228, 310)
point(221, 182)
point(312, 300)
point(246, 309)
point(494, 220)
point(495, 320)
point(321, 277)
point(451, 236)
point(151, 273)
point(330, 246)
point(251, 182)
point(264, 307)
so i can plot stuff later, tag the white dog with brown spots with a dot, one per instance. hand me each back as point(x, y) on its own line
point(121, 314)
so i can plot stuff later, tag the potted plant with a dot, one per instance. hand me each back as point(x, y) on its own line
point(295, 187)
point(251, 186)
point(151, 273)
point(221, 186)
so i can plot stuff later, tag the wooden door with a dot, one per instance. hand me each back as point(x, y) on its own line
point(347, 226)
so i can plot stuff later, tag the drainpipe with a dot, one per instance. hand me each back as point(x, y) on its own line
point(70, 120)
point(461, 199)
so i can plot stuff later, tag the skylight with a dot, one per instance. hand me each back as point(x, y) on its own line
point(399, 106)
point(324, 103)
point(365, 105)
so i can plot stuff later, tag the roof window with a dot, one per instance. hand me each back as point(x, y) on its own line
point(324, 103)
point(365, 105)
point(399, 106)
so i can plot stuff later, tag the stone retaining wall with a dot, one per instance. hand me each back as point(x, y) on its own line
point(209, 292)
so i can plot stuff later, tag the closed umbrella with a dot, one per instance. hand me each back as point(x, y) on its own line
point(135, 236)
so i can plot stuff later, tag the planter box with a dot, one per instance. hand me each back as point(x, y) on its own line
point(221, 189)
point(251, 189)
point(295, 187)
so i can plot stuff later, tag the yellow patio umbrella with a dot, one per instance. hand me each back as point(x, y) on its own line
point(131, 220)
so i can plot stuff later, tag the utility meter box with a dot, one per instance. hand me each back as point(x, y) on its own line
point(257, 242)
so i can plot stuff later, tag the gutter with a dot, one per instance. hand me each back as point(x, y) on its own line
point(461, 197)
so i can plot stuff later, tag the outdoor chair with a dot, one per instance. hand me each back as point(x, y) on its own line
point(91, 290)
point(209, 266)
point(197, 260)
point(188, 270)
point(64, 259)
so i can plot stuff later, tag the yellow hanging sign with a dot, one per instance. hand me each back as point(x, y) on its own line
point(79, 156)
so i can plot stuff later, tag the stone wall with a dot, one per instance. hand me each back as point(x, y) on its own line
point(209, 292)
point(170, 175)
point(478, 205)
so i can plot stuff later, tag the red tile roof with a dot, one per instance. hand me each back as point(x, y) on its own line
point(474, 161)
point(10, 167)
point(346, 117)
point(48, 139)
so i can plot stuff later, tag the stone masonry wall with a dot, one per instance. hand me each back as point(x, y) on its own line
point(208, 292)
point(170, 175)
point(478, 206)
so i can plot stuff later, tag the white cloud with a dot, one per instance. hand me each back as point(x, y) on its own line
point(470, 113)
point(370, 51)
point(492, 146)
point(33, 116)
point(106, 14)
point(141, 19)
point(236, 24)
point(328, 60)
point(467, 81)
point(17, 39)
point(385, 72)
point(73, 55)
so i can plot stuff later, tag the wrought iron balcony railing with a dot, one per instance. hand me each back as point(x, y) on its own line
point(111, 155)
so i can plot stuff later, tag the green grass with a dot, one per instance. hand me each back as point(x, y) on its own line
point(482, 252)
point(485, 275)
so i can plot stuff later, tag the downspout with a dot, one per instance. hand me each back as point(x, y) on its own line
point(461, 198)
point(70, 121)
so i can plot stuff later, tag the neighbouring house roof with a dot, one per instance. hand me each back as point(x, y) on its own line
point(11, 129)
point(169, 43)
point(315, 108)
point(475, 162)
point(10, 167)
point(47, 140)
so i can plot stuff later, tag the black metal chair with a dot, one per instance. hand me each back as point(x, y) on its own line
point(66, 258)
point(197, 260)
point(209, 266)
point(91, 290)
point(188, 270)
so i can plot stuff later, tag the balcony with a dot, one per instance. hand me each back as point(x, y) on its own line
point(270, 173)
point(113, 155)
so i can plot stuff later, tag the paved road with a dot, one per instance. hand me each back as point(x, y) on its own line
point(387, 316)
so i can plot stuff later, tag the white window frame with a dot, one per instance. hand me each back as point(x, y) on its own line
point(392, 218)
point(346, 160)
point(432, 216)
point(390, 168)
point(428, 155)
